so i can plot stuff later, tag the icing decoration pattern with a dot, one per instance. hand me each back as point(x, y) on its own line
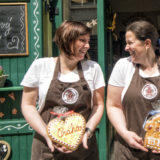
point(67, 132)
point(152, 136)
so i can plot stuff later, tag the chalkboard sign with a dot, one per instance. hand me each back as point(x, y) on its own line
point(13, 29)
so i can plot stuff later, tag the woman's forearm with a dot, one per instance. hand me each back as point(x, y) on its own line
point(95, 117)
point(117, 118)
point(97, 110)
point(34, 119)
point(29, 110)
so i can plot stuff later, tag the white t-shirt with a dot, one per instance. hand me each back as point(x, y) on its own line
point(41, 72)
point(122, 74)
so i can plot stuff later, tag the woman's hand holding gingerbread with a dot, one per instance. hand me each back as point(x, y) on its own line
point(134, 141)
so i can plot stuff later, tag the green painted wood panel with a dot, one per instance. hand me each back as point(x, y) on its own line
point(13, 127)
point(16, 126)
point(15, 144)
point(16, 66)
point(102, 140)
point(20, 146)
point(10, 105)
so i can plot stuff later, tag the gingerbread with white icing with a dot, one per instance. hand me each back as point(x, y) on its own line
point(67, 131)
point(152, 136)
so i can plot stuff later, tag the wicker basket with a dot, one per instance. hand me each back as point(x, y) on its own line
point(2, 80)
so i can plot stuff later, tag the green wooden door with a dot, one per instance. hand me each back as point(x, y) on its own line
point(13, 127)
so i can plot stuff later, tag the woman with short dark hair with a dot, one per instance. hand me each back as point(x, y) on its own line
point(69, 82)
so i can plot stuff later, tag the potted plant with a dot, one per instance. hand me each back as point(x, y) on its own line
point(3, 77)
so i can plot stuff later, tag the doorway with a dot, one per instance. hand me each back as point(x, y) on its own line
point(119, 15)
point(126, 12)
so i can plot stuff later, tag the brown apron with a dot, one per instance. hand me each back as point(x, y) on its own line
point(62, 97)
point(138, 101)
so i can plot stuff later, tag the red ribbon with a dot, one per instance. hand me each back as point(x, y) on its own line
point(62, 114)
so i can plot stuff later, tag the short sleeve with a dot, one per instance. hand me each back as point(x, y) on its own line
point(31, 78)
point(119, 73)
point(98, 79)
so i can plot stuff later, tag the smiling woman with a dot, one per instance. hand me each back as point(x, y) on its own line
point(134, 92)
point(69, 82)
point(81, 47)
point(135, 47)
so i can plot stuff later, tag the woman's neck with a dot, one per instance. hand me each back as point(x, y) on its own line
point(67, 65)
point(150, 69)
point(150, 59)
point(149, 65)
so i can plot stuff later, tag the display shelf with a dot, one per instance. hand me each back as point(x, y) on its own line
point(14, 88)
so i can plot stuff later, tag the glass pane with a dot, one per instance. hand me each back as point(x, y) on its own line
point(84, 11)
point(83, 2)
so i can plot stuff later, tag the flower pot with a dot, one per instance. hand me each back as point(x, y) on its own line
point(2, 80)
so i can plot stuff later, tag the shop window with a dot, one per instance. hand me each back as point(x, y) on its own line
point(84, 11)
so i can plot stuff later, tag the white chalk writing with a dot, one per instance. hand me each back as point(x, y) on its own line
point(6, 28)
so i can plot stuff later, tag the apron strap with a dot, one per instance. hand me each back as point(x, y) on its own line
point(80, 72)
point(79, 68)
point(57, 68)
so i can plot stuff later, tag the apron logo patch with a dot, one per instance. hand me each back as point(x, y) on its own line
point(149, 91)
point(70, 96)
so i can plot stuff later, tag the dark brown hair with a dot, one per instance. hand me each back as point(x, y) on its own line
point(144, 30)
point(67, 34)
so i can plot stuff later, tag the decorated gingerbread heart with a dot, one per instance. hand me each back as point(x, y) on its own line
point(152, 135)
point(68, 131)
